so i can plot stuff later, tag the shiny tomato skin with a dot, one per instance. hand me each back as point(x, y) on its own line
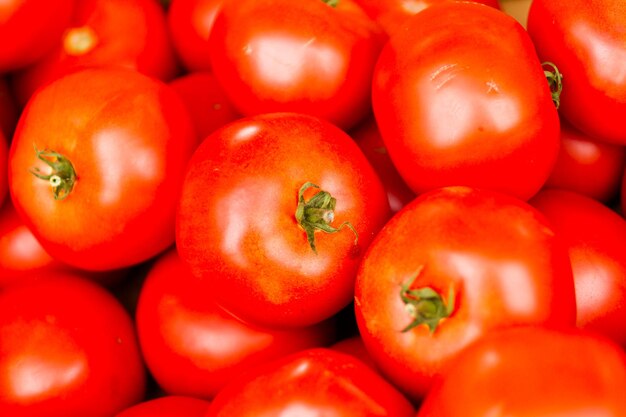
point(498, 256)
point(587, 165)
point(168, 406)
point(67, 349)
point(122, 33)
point(296, 56)
point(585, 39)
point(530, 372)
point(236, 223)
point(192, 347)
point(312, 382)
point(30, 29)
point(460, 98)
point(190, 23)
point(128, 138)
point(595, 236)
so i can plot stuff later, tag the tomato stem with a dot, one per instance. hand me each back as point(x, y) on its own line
point(555, 82)
point(331, 3)
point(317, 213)
point(425, 305)
point(63, 176)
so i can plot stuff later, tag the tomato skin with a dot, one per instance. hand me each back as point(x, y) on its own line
point(312, 382)
point(122, 33)
point(533, 371)
point(245, 229)
point(595, 237)
point(460, 98)
point(168, 406)
point(587, 165)
point(34, 27)
point(586, 41)
point(192, 346)
point(128, 138)
point(78, 341)
point(327, 56)
point(496, 253)
point(190, 23)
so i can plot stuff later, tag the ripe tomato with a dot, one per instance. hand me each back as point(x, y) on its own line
point(533, 371)
point(587, 42)
point(391, 14)
point(30, 29)
point(96, 165)
point(312, 382)
point(460, 98)
point(168, 406)
point(596, 239)
point(190, 23)
point(67, 348)
point(587, 165)
point(307, 56)
point(256, 197)
point(122, 33)
point(206, 101)
point(192, 346)
point(451, 266)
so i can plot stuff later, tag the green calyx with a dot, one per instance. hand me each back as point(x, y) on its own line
point(62, 177)
point(425, 305)
point(318, 213)
point(555, 82)
point(331, 3)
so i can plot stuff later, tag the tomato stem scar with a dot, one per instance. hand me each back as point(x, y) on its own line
point(63, 176)
point(555, 82)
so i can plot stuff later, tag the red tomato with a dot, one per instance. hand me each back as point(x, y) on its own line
point(67, 348)
point(122, 33)
point(587, 42)
point(368, 137)
point(460, 98)
point(533, 372)
point(451, 266)
point(305, 56)
point(190, 23)
point(354, 346)
point(313, 382)
point(9, 111)
point(276, 182)
point(30, 29)
point(391, 14)
point(96, 166)
point(587, 165)
point(192, 346)
point(206, 101)
point(596, 239)
point(168, 406)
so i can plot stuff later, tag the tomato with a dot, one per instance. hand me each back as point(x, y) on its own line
point(9, 111)
point(587, 42)
point(276, 182)
point(391, 14)
point(30, 29)
point(192, 346)
point(96, 166)
point(308, 56)
point(450, 266)
point(190, 23)
point(167, 406)
point(313, 382)
point(67, 349)
point(353, 345)
point(122, 33)
point(587, 165)
point(533, 372)
point(206, 101)
point(596, 239)
point(460, 98)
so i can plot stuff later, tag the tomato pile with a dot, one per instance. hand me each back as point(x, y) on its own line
point(312, 208)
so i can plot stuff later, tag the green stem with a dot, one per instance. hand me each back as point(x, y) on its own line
point(425, 305)
point(555, 82)
point(62, 176)
point(317, 213)
point(331, 3)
